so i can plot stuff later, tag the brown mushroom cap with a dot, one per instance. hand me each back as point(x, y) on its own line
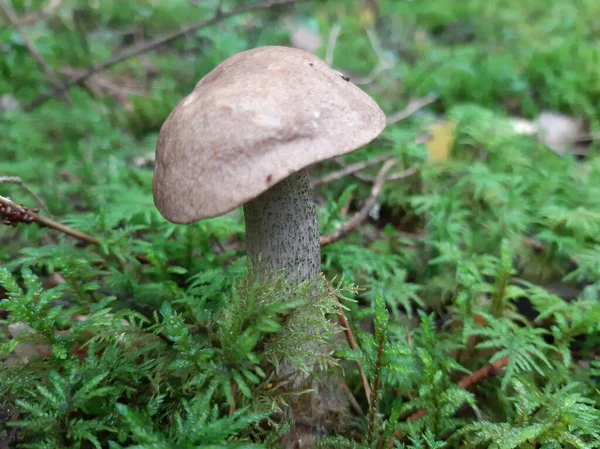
point(256, 118)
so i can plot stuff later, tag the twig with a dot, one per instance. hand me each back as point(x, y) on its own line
point(45, 221)
point(469, 381)
point(381, 66)
point(414, 105)
point(343, 321)
point(354, 346)
point(353, 402)
point(348, 170)
point(136, 50)
point(52, 224)
point(233, 391)
point(363, 213)
point(378, 70)
point(36, 197)
point(466, 382)
point(489, 370)
point(402, 175)
point(370, 179)
point(14, 21)
point(331, 43)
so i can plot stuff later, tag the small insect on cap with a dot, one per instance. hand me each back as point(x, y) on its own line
point(255, 119)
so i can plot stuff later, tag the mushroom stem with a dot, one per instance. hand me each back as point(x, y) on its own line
point(282, 233)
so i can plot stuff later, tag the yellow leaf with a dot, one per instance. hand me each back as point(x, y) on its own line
point(441, 141)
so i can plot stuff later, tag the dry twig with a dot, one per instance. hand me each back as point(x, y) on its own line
point(331, 43)
point(354, 346)
point(491, 369)
point(466, 382)
point(363, 213)
point(381, 66)
point(35, 54)
point(348, 170)
point(353, 402)
point(51, 223)
point(414, 105)
point(19, 181)
point(369, 179)
point(45, 221)
point(136, 50)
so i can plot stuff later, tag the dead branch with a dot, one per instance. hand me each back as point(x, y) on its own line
point(382, 64)
point(51, 223)
point(19, 181)
point(489, 370)
point(58, 86)
point(44, 221)
point(354, 346)
point(363, 213)
point(136, 50)
point(348, 170)
point(331, 43)
point(414, 105)
point(353, 402)
point(402, 175)
point(369, 179)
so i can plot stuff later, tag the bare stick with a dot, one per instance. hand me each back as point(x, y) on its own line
point(403, 174)
point(363, 213)
point(491, 369)
point(414, 105)
point(369, 179)
point(14, 21)
point(44, 221)
point(381, 66)
point(353, 402)
point(343, 320)
point(331, 43)
point(348, 170)
point(19, 181)
point(153, 44)
point(52, 224)
point(352, 343)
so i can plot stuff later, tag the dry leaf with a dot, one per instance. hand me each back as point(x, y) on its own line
point(559, 132)
point(441, 141)
point(26, 351)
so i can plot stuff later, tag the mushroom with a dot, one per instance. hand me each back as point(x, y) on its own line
point(246, 134)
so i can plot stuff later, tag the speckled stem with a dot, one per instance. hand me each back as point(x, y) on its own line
point(282, 232)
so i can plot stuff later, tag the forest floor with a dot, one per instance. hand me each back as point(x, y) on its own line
point(468, 268)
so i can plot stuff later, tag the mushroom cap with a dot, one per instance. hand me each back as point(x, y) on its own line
point(255, 119)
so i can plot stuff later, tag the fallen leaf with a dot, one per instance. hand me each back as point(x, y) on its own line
point(559, 132)
point(441, 141)
point(26, 351)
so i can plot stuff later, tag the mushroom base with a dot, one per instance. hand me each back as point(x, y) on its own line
point(282, 233)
